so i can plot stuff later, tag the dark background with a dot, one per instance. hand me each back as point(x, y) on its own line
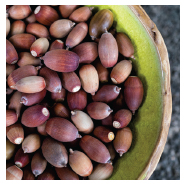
point(167, 20)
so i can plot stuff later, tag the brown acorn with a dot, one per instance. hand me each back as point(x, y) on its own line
point(100, 22)
point(81, 14)
point(14, 173)
point(21, 159)
point(31, 143)
point(10, 149)
point(107, 121)
point(101, 172)
point(48, 174)
point(77, 100)
point(121, 71)
point(66, 173)
point(123, 140)
point(11, 117)
point(80, 163)
point(89, 78)
point(133, 92)
point(61, 111)
point(22, 41)
point(122, 118)
point(19, 11)
point(38, 30)
point(98, 110)
point(35, 115)
point(82, 121)
point(7, 26)
point(66, 10)
point(38, 163)
point(60, 96)
point(53, 82)
point(61, 60)
point(61, 28)
point(26, 58)
point(11, 53)
point(29, 99)
point(9, 69)
point(77, 35)
point(20, 73)
point(103, 133)
point(87, 51)
point(108, 50)
point(42, 129)
point(46, 15)
point(125, 45)
point(15, 133)
point(95, 149)
point(71, 81)
point(54, 152)
point(17, 27)
point(31, 18)
point(27, 174)
point(111, 150)
point(57, 44)
point(15, 102)
point(61, 129)
point(107, 93)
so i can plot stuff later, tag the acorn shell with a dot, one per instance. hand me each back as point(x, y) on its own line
point(11, 117)
point(66, 173)
point(17, 27)
point(60, 96)
point(66, 10)
point(57, 44)
point(11, 53)
point(60, 110)
point(14, 173)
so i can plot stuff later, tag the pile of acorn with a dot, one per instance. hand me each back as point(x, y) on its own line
point(69, 101)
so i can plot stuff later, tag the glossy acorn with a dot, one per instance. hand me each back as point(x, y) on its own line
point(14, 173)
point(31, 18)
point(66, 173)
point(11, 53)
point(61, 110)
point(60, 96)
point(17, 27)
point(57, 44)
point(42, 129)
point(10, 149)
point(11, 117)
point(66, 10)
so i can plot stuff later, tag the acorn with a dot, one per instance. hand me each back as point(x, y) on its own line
point(77, 35)
point(54, 152)
point(123, 140)
point(71, 81)
point(66, 173)
point(26, 58)
point(122, 118)
point(108, 50)
point(103, 72)
point(38, 30)
point(125, 45)
point(121, 71)
point(9, 91)
point(104, 134)
point(41, 129)
point(60, 96)
point(7, 26)
point(101, 172)
point(21, 159)
point(107, 93)
point(22, 41)
point(11, 117)
point(61, 129)
point(107, 121)
point(15, 133)
point(20, 73)
point(35, 115)
point(46, 15)
point(53, 82)
point(57, 44)
point(38, 163)
point(61, 28)
point(15, 102)
point(9, 69)
point(80, 163)
point(29, 99)
point(100, 22)
point(17, 27)
point(19, 11)
point(14, 173)
point(82, 121)
point(133, 92)
point(81, 14)
point(95, 149)
point(27, 174)
point(89, 78)
point(111, 150)
point(77, 100)
point(66, 10)
point(98, 110)
point(11, 53)
point(61, 60)
point(10, 149)
point(61, 111)
point(87, 51)
point(31, 18)
point(48, 174)
point(31, 143)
